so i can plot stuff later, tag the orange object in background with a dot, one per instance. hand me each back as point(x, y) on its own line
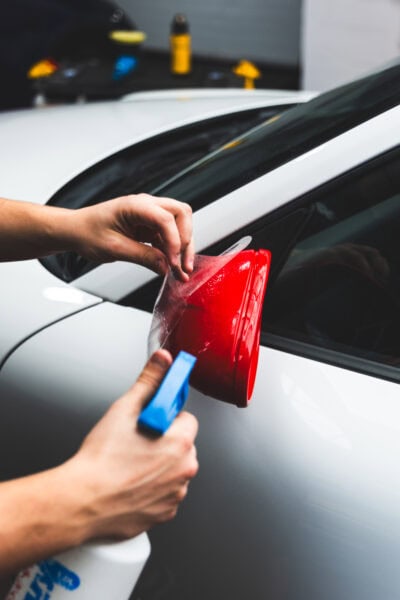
point(249, 72)
point(43, 68)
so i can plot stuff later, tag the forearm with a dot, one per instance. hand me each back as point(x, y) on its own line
point(40, 515)
point(30, 231)
point(143, 229)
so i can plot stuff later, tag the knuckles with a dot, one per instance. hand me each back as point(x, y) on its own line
point(181, 494)
point(170, 514)
point(167, 219)
point(185, 443)
point(186, 209)
point(192, 470)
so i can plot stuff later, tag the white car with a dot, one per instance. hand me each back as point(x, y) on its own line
point(298, 495)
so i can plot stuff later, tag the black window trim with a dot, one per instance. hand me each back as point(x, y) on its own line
point(334, 358)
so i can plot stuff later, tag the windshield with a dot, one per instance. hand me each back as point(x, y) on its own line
point(284, 137)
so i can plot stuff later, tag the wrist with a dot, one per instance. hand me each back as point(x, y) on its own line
point(59, 229)
point(65, 507)
point(87, 500)
point(40, 516)
point(78, 501)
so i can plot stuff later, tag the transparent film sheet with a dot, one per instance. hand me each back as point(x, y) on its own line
point(174, 295)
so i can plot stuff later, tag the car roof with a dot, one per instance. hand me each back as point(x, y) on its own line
point(52, 145)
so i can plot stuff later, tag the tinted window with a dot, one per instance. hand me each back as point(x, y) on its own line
point(285, 137)
point(339, 288)
point(145, 166)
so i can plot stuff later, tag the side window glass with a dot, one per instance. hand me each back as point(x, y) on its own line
point(339, 287)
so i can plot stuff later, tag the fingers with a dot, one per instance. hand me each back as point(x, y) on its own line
point(149, 380)
point(188, 257)
point(188, 470)
point(182, 434)
point(183, 218)
point(171, 222)
point(143, 254)
point(184, 428)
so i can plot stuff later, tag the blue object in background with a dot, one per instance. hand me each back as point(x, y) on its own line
point(170, 397)
point(123, 66)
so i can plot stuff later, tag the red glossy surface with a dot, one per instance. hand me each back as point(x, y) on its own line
point(220, 323)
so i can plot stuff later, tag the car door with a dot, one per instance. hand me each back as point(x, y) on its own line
point(297, 496)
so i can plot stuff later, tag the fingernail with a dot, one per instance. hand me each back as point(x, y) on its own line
point(179, 275)
point(176, 272)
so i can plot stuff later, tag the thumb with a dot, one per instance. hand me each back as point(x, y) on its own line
point(149, 380)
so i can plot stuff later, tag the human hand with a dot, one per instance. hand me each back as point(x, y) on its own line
point(123, 228)
point(127, 481)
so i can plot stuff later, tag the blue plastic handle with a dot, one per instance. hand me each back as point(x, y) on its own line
point(170, 397)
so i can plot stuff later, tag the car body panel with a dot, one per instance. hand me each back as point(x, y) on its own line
point(46, 299)
point(300, 476)
point(49, 356)
point(227, 94)
point(122, 124)
point(297, 496)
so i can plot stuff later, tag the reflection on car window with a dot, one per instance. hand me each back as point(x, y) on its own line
point(285, 137)
point(339, 288)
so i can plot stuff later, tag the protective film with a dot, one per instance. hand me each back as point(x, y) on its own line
point(216, 316)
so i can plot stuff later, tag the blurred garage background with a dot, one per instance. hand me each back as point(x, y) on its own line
point(309, 44)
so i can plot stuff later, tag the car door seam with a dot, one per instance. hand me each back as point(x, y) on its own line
point(37, 331)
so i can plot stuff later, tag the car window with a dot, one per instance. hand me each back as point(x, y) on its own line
point(339, 286)
point(285, 137)
point(143, 167)
point(334, 289)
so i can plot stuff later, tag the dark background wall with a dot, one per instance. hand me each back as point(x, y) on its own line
point(264, 30)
